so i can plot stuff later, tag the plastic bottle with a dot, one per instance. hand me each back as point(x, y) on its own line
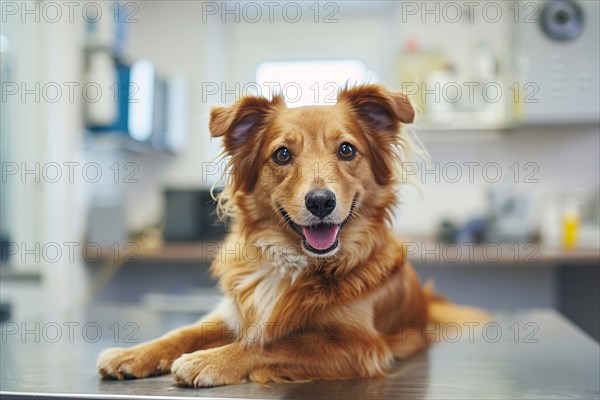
point(571, 222)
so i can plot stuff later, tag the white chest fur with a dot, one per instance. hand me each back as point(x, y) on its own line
point(279, 268)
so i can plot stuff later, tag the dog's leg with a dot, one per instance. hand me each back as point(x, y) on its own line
point(155, 357)
point(304, 357)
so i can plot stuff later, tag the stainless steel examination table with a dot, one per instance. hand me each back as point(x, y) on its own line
point(535, 354)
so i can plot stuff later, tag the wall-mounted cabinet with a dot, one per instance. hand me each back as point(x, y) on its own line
point(145, 108)
point(500, 65)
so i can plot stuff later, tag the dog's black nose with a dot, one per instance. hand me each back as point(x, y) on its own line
point(320, 202)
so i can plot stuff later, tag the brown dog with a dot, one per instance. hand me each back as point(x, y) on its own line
point(316, 286)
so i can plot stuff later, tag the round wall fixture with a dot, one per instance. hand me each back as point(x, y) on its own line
point(562, 20)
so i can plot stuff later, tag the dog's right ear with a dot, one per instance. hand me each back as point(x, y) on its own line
point(240, 122)
point(241, 126)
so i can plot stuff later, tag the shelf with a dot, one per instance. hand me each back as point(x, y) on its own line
point(419, 252)
point(463, 121)
point(119, 141)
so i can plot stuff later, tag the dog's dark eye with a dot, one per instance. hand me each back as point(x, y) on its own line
point(282, 155)
point(347, 151)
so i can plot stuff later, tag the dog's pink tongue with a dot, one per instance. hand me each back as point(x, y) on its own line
point(321, 237)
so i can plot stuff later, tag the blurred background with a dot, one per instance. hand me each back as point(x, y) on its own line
point(107, 161)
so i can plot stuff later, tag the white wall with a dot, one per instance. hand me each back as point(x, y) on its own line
point(44, 212)
point(23, 214)
point(567, 158)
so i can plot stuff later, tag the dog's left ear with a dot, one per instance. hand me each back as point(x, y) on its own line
point(380, 113)
point(379, 107)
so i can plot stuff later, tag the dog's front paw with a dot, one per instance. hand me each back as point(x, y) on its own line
point(207, 368)
point(136, 362)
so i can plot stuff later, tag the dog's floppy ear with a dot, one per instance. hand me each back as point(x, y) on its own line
point(238, 122)
point(378, 106)
point(241, 126)
point(380, 113)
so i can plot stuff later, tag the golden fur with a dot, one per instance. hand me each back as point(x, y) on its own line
point(289, 314)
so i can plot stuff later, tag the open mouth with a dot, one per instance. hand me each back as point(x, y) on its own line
point(320, 238)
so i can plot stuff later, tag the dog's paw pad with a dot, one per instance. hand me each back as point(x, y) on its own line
point(133, 363)
point(202, 369)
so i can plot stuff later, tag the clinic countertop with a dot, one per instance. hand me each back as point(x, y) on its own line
point(535, 354)
point(423, 250)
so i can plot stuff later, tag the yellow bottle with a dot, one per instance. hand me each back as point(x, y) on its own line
point(570, 226)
